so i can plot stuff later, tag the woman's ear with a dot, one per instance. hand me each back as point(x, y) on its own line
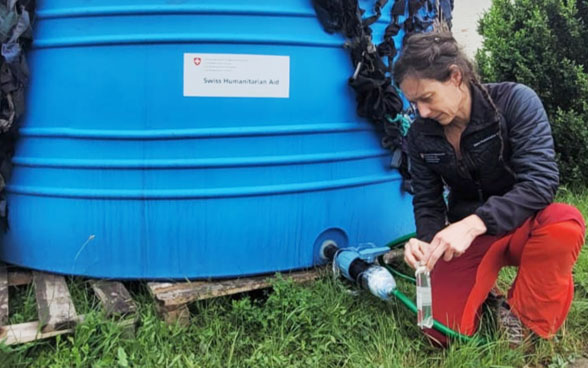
point(456, 76)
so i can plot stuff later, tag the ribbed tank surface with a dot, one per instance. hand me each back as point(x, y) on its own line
point(192, 139)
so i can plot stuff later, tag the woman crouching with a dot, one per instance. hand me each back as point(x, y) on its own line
point(491, 146)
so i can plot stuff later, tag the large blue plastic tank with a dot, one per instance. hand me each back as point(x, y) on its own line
point(119, 174)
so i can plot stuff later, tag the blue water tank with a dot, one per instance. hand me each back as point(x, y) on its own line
point(192, 139)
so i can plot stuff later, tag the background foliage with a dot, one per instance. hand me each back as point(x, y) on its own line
point(544, 44)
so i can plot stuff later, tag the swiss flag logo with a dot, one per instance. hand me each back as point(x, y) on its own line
point(197, 61)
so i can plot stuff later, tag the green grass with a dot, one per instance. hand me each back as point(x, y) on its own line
point(321, 324)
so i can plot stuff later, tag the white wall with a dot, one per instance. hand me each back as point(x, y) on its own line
point(465, 22)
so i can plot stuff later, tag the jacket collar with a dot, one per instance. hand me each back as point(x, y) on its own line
point(482, 115)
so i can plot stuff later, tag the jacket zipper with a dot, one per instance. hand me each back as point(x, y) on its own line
point(461, 167)
point(462, 161)
point(475, 177)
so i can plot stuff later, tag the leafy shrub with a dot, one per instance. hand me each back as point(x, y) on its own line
point(544, 44)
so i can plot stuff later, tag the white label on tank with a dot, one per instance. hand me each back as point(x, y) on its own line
point(236, 75)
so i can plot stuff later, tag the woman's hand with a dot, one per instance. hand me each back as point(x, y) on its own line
point(454, 240)
point(415, 252)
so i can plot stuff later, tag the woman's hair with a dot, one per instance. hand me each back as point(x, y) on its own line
point(434, 55)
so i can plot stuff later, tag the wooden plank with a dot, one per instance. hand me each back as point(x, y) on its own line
point(129, 326)
point(115, 298)
point(117, 302)
point(174, 294)
point(29, 331)
point(54, 304)
point(175, 314)
point(18, 276)
point(3, 294)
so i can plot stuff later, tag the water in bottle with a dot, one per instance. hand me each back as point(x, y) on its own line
point(424, 297)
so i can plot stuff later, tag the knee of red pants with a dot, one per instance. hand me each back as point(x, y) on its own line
point(544, 231)
point(564, 228)
point(560, 212)
point(562, 240)
point(572, 235)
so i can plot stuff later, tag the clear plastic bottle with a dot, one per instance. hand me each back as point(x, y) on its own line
point(424, 297)
point(379, 282)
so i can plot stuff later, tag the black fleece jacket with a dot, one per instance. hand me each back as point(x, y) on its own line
point(507, 171)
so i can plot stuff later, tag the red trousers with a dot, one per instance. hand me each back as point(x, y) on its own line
point(545, 248)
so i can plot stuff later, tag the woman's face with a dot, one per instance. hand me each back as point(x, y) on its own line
point(440, 101)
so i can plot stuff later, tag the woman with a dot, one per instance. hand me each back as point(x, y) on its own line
point(491, 145)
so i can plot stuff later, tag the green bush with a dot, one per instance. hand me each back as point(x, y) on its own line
point(544, 44)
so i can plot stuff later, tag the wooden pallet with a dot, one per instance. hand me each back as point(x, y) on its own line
point(57, 313)
point(172, 298)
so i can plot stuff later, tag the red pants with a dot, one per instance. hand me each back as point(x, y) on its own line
point(545, 248)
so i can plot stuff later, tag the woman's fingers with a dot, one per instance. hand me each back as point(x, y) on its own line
point(414, 252)
point(410, 260)
point(408, 256)
point(418, 248)
point(449, 254)
point(438, 248)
